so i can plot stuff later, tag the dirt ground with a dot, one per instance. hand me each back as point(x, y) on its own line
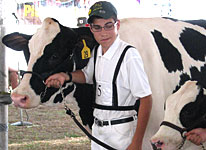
point(52, 129)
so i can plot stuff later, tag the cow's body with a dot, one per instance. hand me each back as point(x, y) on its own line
point(185, 109)
point(161, 43)
point(163, 80)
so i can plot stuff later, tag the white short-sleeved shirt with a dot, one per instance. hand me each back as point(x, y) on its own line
point(132, 82)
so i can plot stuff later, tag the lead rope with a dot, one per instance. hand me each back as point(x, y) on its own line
point(203, 147)
point(183, 142)
point(72, 115)
point(182, 132)
point(181, 145)
point(42, 94)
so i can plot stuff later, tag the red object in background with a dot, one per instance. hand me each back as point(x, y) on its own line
point(87, 25)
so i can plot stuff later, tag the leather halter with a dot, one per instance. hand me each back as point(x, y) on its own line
point(185, 130)
point(173, 126)
point(34, 73)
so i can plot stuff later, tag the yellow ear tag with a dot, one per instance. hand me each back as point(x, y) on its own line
point(85, 51)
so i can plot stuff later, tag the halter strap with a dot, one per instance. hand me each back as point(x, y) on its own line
point(33, 73)
point(173, 126)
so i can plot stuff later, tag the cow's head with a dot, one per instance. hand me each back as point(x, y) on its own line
point(184, 109)
point(53, 48)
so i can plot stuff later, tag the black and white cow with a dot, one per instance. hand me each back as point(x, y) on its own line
point(185, 110)
point(172, 51)
point(54, 48)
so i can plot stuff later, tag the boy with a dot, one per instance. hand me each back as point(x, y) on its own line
point(115, 122)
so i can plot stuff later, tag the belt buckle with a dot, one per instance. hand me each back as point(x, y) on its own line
point(135, 117)
point(99, 123)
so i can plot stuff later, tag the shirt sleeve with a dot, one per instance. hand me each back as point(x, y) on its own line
point(88, 70)
point(137, 77)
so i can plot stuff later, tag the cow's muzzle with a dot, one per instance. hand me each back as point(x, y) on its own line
point(157, 145)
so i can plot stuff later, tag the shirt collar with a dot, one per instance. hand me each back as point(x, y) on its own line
point(111, 51)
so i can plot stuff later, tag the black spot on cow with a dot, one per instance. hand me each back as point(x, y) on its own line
point(47, 93)
point(195, 75)
point(200, 22)
point(199, 75)
point(170, 55)
point(194, 43)
point(183, 78)
point(191, 115)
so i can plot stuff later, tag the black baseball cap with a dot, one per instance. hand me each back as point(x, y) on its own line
point(102, 9)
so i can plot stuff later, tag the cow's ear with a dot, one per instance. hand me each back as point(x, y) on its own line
point(16, 41)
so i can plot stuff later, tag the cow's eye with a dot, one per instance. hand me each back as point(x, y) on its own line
point(53, 57)
point(186, 113)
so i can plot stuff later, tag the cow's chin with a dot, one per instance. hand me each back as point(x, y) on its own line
point(162, 142)
point(22, 101)
point(164, 145)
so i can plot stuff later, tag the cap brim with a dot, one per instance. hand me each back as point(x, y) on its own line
point(90, 19)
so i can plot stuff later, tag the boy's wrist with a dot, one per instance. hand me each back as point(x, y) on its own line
point(69, 79)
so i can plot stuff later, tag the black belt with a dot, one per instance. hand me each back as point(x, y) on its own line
point(102, 123)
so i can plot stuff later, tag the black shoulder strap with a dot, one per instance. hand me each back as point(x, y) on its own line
point(114, 86)
point(94, 79)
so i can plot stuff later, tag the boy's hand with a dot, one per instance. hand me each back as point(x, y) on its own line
point(56, 80)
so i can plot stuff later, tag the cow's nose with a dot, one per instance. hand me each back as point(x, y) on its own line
point(157, 145)
point(19, 100)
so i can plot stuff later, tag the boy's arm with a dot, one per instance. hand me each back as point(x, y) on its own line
point(143, 117)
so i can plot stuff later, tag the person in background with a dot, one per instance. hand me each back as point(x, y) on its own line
point(13, 78)
point(196, 136)
point(116, 121)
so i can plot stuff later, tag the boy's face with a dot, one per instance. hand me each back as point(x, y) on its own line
point(105, 31)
